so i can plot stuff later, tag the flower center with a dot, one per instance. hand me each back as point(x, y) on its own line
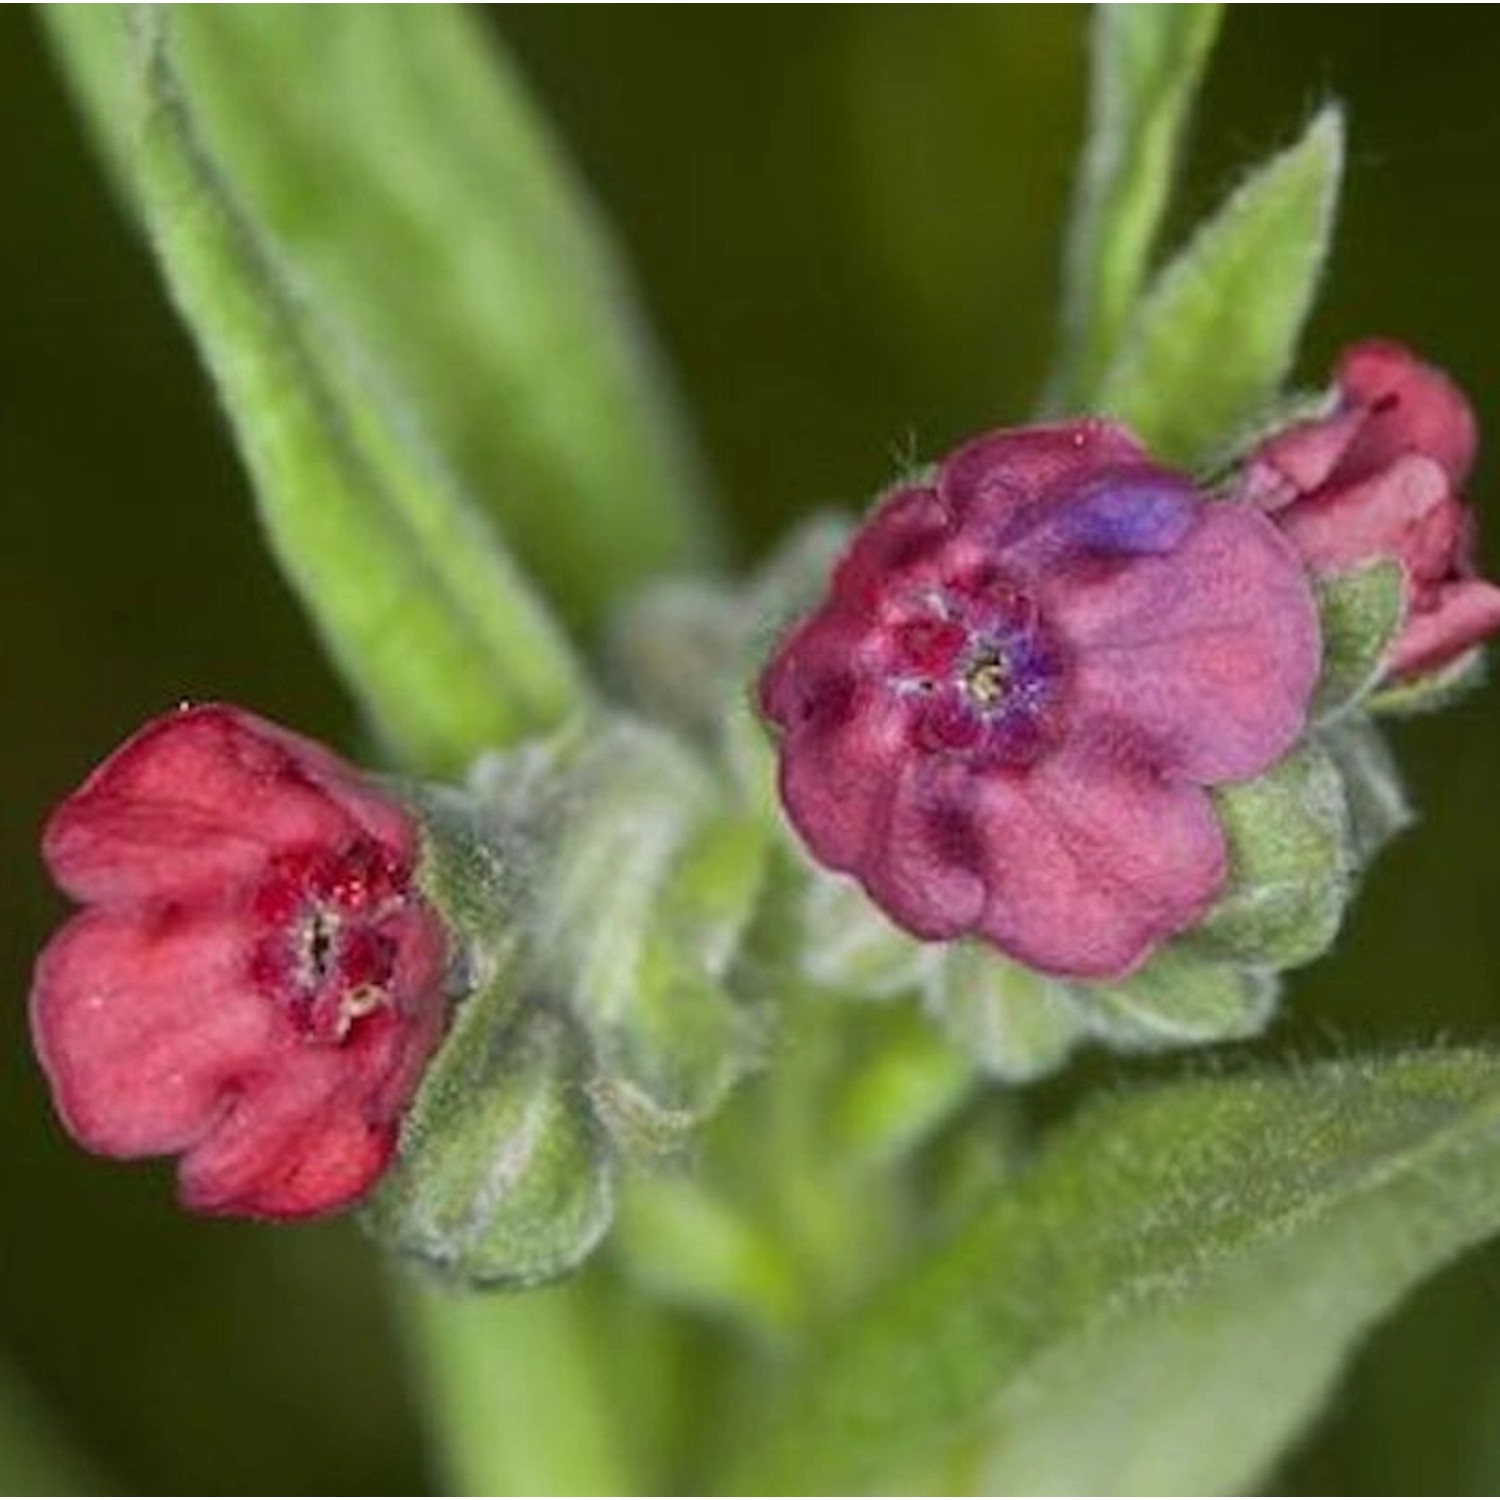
point(327, 948)
point(981, 671)
point(986, 678)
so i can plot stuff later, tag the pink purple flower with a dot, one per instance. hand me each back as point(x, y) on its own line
point(1004, 718)
point(255, 983)
point(1381, 477)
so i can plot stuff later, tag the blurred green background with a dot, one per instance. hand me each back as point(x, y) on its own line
point(845, 222)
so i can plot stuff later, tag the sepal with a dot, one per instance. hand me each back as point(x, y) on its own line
point(1291, 864)
point(1180, 998)
point(681, 651)
point(505, 1177)
point(1016, 1024)
point(1361, 613)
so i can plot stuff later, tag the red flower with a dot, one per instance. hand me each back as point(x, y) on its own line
point(255, 983)
point(1380, 478)
point(1003, 717)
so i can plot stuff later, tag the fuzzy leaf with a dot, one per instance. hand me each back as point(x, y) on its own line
point(1214, 337)
point(1182, 997)
point(1017, 1025)
point(1290, 864)
point(1162, 1302)
point(392, 158)
point(1361, 613)
point(1148, 62)
point(421, 609)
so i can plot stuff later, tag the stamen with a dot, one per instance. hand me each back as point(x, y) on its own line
point(987, 678)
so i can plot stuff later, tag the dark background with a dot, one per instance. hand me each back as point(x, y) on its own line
point(846, 224)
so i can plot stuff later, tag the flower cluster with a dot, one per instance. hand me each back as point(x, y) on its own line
point(1021, 713)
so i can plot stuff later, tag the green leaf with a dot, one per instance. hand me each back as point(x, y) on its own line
point(1163, 1301)
point(1148, 62)
point(1017, 1025)
point(1182, 997)
point(393, 159)
point(1435, 690)
point(1214, 337)
point(420, 607)
point(1290, 859)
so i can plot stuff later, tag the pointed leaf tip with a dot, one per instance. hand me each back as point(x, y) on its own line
point(1148, 63)
point(1215, 336)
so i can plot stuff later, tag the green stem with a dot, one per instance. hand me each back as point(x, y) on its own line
point(515, 1392)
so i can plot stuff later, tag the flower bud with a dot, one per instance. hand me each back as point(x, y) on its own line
point(1379, 476)
point(602, 886)
point(643, 882)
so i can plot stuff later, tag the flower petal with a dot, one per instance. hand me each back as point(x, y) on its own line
point(1411, 406)
point(1297, 461)
point(1463, 614)
point(144, 1023)
point(1001, 471)
point(811, 678)
point(298, 1145)
point(201, 797)
point(844, 736)
point(891, 548)
point(1118, 513)
point(1210, 655)
point(1094, 861)
point(926, 861)
point(1391, 513)
point(836, 776)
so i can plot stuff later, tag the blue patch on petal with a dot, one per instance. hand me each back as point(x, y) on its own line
point(1125, 513)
